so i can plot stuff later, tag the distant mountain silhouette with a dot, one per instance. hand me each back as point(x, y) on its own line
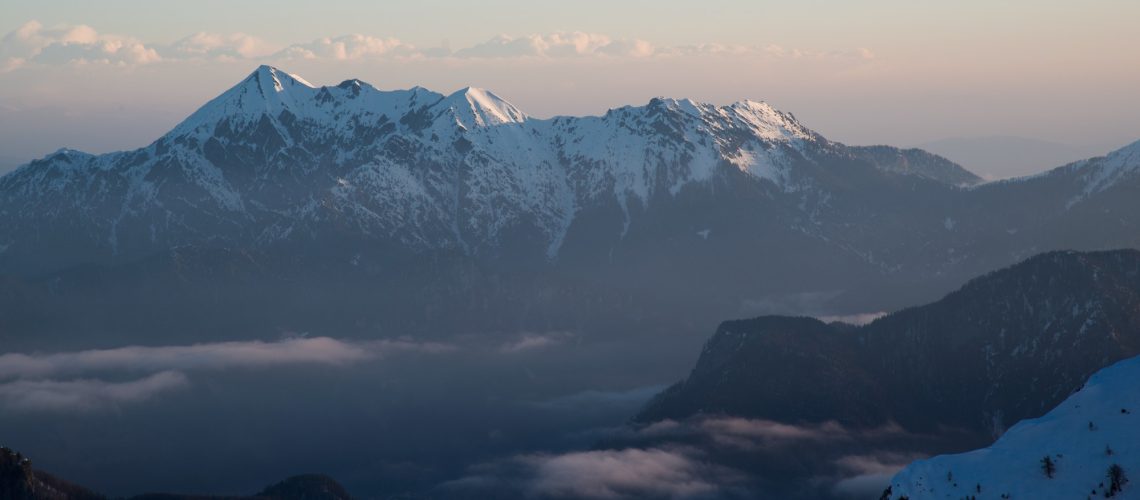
point(1002, 157)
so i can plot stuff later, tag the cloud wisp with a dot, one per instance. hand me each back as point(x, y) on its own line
point(85, 394)
point(535, 341)
point(653, 473)
point(676, 473)
point(753, 434)
point(699, 457)
point(212, 356)
point(33, 381)
point(35, 44)
point(868, 475)
point(219, 46)
point(854, 319)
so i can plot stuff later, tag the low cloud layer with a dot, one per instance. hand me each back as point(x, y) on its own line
point(33, 381)
point(700, 457)
point(868, 475)
point(85, 394)
point(756, 434)
point(35, 44)
point(601, 474)
point(535, 341)
point(625, 473)
point(221, 355)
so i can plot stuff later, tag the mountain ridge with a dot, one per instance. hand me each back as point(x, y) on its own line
point(348, 181)
point(274, 148)
point(1006, 346)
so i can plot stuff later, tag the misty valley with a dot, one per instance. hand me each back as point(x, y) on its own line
point(306, 292)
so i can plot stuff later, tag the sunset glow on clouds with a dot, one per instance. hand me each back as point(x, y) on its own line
point(33, 43)
point(882, 72)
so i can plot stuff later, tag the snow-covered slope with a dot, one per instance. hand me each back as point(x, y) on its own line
point(277, 164)
point(1101, 173)
point(1094, 429)
point(276, 158)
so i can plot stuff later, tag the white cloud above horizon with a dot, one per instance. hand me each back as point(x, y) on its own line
point(94, 79)
point(34, 44)
point(218, 46)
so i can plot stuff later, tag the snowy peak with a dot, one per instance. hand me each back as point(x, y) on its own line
point(272, 79)
point(270, 92)
point(271, 86)
point(1127, 157)
point(768, 122)
point(759, 118)
point(266, 91)
point(687, 106)
point(1099, 174)
point(475, 107)
point(68, 154)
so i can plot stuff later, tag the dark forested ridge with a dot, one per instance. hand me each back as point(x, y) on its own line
point(1007, 346)
point(20, 481)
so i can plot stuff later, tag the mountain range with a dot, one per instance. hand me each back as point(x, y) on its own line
point(277, 160)
point(284, 202)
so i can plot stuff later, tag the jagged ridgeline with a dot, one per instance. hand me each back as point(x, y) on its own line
point(279, 193)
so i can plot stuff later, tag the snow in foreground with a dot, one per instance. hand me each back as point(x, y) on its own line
point(1079, 442)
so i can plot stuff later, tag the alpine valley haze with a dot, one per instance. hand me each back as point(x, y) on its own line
point(297, 291)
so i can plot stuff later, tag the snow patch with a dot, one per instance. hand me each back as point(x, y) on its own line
point(1085, 435)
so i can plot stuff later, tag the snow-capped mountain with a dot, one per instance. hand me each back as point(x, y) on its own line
point(1086, 447)
point(275, 158)
point(464, 203)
